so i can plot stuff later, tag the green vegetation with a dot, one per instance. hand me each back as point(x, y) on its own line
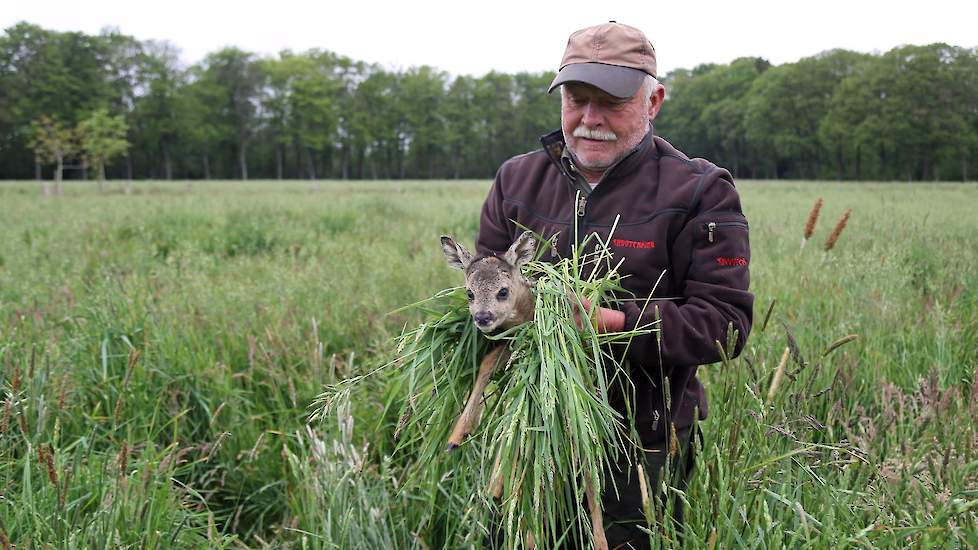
point(159, 352)
point(907, 114)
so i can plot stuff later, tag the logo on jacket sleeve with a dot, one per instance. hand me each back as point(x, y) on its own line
point(625, 243)
point(731, 261)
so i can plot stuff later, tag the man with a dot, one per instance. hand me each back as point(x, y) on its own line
point(681, 233)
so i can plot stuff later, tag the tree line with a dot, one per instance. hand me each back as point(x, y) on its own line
point(111, 104)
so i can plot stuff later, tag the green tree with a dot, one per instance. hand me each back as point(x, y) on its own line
point(424, 120)
point(460, 129)
point(157, 112)
point(908, 110)
point(704, 112)
point(231, 78)
point(495, 117)
point(537, 112)
point(53, 142)
point(204, 123)
point(786, 106)
point(102, 136)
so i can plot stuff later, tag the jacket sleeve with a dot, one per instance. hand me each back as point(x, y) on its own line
point(714, 288)
point(495, 229)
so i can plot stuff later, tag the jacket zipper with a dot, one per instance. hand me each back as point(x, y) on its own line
point(581, 205)
point(711, 228)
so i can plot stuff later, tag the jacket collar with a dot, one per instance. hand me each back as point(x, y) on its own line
point(556, 149)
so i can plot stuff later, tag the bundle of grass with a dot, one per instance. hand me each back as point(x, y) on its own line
point(548, 433)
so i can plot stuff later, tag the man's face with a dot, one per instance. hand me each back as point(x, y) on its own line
point(599, 128)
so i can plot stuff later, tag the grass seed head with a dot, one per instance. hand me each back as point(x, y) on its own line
point(123, 459)
point(812, 219)
point(46, 459)
point(7, 410)
point(837, 231)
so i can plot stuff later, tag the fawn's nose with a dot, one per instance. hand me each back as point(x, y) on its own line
point(484, 318)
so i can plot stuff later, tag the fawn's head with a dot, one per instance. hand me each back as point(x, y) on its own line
point(499, 295)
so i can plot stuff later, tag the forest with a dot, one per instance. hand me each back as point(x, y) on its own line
point(110, 104)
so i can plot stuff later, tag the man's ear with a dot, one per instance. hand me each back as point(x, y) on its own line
point(522, 250)
point(456, 254)
point(655, 100)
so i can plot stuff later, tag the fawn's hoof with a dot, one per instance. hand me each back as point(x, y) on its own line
point(451, 446)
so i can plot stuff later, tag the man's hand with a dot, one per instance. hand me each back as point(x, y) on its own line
point(604, 320)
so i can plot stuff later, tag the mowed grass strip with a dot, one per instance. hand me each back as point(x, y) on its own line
point(239, 301)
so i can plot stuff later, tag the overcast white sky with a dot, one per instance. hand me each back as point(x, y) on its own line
point(475, 37)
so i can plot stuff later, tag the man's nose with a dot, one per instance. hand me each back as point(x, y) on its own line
point(592, 115)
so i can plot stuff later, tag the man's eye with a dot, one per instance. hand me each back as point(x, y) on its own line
point(470, 294)
point(503, 293)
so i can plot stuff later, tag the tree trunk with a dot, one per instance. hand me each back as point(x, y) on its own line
point(167, 165)
point(243, 161)
point(57, 175)
point(310, 164)
point(37, 168)
point(839, 165)
point(297, 154)
point(207, 165)
point(964, 166)
point(101, 175)
point(883, 171)
point(278, 161)
point(84, 170)
point(129, 166)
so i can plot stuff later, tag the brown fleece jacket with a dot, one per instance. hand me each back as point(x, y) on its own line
point(680, 225)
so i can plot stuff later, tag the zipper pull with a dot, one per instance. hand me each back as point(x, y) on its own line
point(581, 203)
point(712, 226)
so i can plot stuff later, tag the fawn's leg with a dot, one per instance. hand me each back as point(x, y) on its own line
point(597, 523)
point(470, 414)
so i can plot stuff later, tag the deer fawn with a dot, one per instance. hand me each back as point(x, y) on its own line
point(500, 298)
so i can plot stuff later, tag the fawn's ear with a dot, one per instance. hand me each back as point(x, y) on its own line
point(456, 254)
point(522, 250)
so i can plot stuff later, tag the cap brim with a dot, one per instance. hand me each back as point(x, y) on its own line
point(616, 80)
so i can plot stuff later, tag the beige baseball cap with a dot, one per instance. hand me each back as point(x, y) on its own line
point(610, 56)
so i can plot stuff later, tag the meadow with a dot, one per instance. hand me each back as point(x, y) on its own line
point(160, 349)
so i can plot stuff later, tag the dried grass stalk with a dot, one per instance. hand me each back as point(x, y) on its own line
point(778, 374)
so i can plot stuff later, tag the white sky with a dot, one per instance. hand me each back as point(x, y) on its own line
point(475, 37)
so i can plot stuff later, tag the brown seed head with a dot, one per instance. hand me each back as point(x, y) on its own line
point(123, 458)
point(7, 410)
point(15, 386)
point(45, 457)
point(834, 236)
point(673, 440)
point(812, 219)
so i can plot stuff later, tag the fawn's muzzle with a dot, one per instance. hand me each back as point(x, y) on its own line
point(484, 318)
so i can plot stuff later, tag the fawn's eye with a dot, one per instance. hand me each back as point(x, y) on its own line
point(503, 293)
point(470, 294)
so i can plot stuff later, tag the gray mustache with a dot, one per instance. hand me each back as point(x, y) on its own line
point(586, 133)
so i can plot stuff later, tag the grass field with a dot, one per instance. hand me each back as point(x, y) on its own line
point(159, 352)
